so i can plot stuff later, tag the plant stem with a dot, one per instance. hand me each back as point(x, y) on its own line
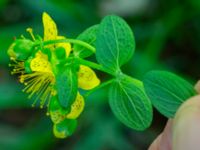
point(104, 84)
point(94, 65)
point(82, 61)
point(74, 41)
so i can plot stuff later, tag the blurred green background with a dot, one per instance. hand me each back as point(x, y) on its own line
point(167, 34)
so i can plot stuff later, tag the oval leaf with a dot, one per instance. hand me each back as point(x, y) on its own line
point(129, 103)
point(167, 91)
point(115, 43)
point(89, 36)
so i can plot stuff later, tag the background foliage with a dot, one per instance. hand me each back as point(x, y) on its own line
point(167, 35)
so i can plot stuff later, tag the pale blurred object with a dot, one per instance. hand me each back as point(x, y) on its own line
point(197, 87)
point(124, 7)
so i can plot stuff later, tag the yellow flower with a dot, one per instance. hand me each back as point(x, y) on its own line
point(41, 81)
point(87, 78)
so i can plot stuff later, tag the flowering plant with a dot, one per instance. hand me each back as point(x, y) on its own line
point(54, 68)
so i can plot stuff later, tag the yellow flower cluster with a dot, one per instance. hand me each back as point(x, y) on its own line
point(40, 81)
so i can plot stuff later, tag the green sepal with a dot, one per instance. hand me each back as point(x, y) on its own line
point(88, 36)
point(60, 53)
point(167, 91)
point(47, 51)
point(129, 103)
point(65, 71)
point(27, 65)
point(65, 128)
point(58, 56)
point(66, 83)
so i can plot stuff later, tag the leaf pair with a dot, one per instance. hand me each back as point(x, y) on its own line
point(128, 98)
point(115, 46)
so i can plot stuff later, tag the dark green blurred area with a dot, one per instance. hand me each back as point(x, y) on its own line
point(167, 34)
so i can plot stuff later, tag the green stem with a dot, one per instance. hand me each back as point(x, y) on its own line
point(98, 87)
point(74, 41)
point(94, 65)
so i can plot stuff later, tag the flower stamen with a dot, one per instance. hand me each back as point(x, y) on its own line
point(30, 31)
point(18, 67)
point(39, 85)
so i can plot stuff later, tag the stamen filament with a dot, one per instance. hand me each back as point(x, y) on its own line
point(30, 31)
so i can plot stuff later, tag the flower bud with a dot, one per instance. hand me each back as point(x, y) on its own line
point(21, 49)
point(65, 128)
point(57, 113)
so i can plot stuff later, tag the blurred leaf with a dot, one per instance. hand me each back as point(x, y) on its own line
point(3, 3)
point(11, 95)
point(115, 43)
point(130, 104)
point(104, 132)
point(195, 4)
point(162, 29)
point(89, 36)
point(167, 91)
point(32, 137)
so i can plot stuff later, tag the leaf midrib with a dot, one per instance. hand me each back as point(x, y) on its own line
point(140, 118)
point(116, 41)
point(167, 90)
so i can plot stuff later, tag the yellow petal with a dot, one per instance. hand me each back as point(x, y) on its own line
point(77, 107)
point(66, 46)
point(87, 78)
point(50, 29)
point(40, 63)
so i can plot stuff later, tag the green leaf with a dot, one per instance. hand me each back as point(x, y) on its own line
point(115, 43)
point(67, 85)
point(167, 91)
point(89, 36)
point(64, 128)
point(130, 104)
